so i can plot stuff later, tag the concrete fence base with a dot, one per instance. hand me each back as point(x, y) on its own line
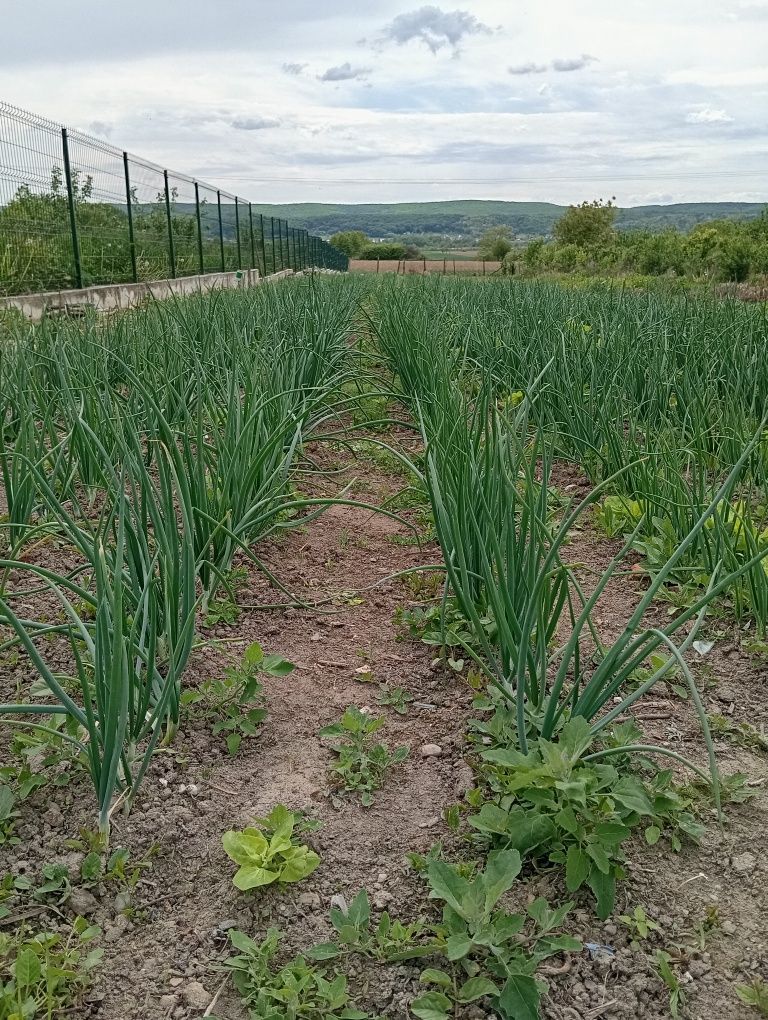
point(119, 296)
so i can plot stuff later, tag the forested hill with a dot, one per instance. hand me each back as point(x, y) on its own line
point(470, 218)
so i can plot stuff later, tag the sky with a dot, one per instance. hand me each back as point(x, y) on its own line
point(650, 101)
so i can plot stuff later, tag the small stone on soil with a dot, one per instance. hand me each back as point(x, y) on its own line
point(744, 863)
point(196, 996)
point(430, 750)
point(82, 902)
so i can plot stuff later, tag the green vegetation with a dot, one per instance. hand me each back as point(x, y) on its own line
point(149, 455)
point(495, 952)
point(235, 704)
point(586, 241)
point(755, 994)
point(44, 974)
point(495, 244)
point(387, 942)
point(271, 855)
point(185, 436)
point(351, 242)
point(362, 764)
point(297, 989)
point(36, 247)
point(467, 219)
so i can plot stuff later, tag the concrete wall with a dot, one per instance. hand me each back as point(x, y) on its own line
point(116, 296)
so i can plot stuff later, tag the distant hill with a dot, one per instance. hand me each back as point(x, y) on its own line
point(470, 218)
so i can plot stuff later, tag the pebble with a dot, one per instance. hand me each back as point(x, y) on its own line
point(196, 996)
point(381, 899)
point(698, 968)
point(82, 902)
point(430, 750)
point(122, 900)
point(310, 899)
point(744, 863)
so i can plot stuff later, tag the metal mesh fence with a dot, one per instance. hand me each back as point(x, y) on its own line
point(76, 211)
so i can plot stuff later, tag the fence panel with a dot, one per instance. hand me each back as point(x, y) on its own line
point(97, 179)
point(35, 232)
point(76, 211)
point(150, 222)
point(183, 220)
point(229, 229)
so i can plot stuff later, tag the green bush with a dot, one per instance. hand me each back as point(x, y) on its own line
point(384, 250)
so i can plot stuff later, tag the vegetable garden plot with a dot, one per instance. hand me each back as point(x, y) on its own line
point(171, 472)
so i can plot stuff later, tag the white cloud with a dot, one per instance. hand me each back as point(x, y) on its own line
point(708, 115)
point(254, 123)
point(751, 12)
point(424, 129)
point(560, 64)
point(530, 68)
point(566, 64)
point(344, 72)
point(433, 27)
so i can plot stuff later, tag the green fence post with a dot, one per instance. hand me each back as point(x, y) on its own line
point(237, 234)
point(221, 230)
point(254, 264)
point(272, 221)
point(283, 251)
point(263, 248)
point(171, 251)
point(71, 204)
point(200, 259)
point(129, 209)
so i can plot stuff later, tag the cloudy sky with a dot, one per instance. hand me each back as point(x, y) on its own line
point(342, 100)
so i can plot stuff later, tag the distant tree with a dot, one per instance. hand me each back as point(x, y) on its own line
point(351, 242)
point(412, 252)
point(383, 250)
point(532, 256)
point(495, 243)
point(588, 225)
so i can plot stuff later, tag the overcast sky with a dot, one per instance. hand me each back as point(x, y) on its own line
point(342, 100)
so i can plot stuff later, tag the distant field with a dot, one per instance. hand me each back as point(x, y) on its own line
point(448, 267)
point(460, 255)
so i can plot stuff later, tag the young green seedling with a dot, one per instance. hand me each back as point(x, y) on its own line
point(264, 860)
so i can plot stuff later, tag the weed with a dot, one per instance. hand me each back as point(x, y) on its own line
point(45, 974)
point(235, 704)
point(755, 994)
point(395, 697)
point(298, 989)
point(496, 952)
point(386, 942)
point(671, 979)
point(362, 765)
point(741, 733)
point(639, 923)
point(551, 803)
